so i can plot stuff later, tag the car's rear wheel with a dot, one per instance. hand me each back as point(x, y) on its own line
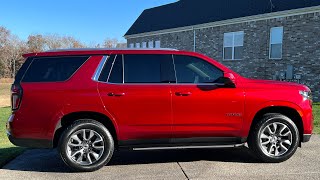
point(86, 145)
point(275, 138)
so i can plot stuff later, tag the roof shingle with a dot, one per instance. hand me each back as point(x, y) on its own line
point(192, 12)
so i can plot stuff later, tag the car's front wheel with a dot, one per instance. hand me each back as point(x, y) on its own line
point(86, 145)
point(275, 138)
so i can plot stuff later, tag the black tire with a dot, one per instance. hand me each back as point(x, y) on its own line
point(254, 138)
point(87, 124)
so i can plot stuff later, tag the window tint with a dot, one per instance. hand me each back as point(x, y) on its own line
point(23, 70)
point(194, 70)
point(53, 69)
point(116, 75)
point(106, 69)
point(148, 69)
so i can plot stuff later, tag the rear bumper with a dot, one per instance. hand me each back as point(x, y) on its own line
point(31, 143)
point(306, 138)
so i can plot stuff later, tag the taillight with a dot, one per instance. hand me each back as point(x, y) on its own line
point(16, 96)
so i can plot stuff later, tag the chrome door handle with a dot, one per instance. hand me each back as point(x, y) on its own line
point(116, 94)
point(183, 93)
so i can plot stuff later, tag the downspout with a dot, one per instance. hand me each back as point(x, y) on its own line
point(194, 39)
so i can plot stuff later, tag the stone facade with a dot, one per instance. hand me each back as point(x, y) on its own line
point(301, 47)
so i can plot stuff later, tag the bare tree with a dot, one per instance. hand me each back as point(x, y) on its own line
point(110, 43)
point(12, 48)
point(36, 43)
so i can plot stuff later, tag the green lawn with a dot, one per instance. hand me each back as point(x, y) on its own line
point(316, 113)
point(7, 150)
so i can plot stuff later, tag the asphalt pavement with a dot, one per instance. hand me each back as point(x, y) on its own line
point(234, 163)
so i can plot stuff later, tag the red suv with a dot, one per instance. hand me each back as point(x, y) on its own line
point(89, 102)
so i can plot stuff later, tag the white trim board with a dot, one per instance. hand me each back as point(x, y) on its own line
point(273, 15)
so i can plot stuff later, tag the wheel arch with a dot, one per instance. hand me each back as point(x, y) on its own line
point(290, 112)
point(68, 119)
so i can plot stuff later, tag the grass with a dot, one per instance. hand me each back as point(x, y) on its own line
point(7, 150)
point(316, 113)
point(5, 93)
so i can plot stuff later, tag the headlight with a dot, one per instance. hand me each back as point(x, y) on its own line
point(306, 95)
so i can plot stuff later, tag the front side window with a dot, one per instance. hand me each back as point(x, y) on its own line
point(148, 69)
point(137, 45)
point(196, 71)
point(131, 45)
point(233, 46)
point(276, 38)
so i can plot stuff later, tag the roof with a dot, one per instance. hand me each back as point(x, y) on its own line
point(101, 51)
point(193, 12)
point(110, 49)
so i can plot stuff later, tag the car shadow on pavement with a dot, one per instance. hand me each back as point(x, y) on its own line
point(39, 160)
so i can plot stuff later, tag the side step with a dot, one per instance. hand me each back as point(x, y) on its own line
point(189, 147)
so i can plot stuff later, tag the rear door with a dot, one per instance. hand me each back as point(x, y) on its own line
point(136, 91)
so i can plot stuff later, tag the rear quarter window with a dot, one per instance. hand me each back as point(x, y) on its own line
point(53, 69)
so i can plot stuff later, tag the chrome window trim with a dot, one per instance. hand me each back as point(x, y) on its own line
point(98, 71)
point(104, 61)
point(111, 68)
point(122, 69)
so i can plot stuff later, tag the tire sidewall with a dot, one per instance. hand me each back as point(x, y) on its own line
point(295, 138)
point(87, 124)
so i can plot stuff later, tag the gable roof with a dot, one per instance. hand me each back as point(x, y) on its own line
point(193, 12)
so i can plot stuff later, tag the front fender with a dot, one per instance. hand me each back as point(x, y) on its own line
point(252, 111)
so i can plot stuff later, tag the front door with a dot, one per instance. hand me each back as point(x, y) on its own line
point(202, 108)
point(136, 92)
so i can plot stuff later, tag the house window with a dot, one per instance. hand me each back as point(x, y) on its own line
point(137, 45)
point(144, 44)
point(233, 46)
point(150, 44)
point(131, 45)
point(158, 44)
point(276, 38)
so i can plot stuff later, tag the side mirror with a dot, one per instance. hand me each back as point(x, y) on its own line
point(231, 77)
point(226, 82)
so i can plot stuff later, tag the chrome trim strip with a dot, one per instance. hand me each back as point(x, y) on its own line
point(97, 73)
point(111, 68)
point(189, 147)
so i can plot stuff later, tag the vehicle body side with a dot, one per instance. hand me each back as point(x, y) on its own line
point(44, 105)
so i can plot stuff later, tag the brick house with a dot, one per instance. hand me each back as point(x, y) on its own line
point(265, 39)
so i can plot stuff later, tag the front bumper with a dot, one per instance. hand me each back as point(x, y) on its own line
point(306, 138)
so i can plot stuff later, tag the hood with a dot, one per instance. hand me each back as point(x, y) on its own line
point(273, 84)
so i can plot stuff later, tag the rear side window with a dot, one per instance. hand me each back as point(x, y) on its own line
point(148, 69)
point(116, 75)
point(53, 69)
point(22, 70)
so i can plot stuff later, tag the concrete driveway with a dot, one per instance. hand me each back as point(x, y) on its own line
point(173, 164)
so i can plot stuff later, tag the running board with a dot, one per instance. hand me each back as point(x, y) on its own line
point(189, 147)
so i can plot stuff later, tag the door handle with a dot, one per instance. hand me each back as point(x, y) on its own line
point(183, 93)
point(116, 94)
